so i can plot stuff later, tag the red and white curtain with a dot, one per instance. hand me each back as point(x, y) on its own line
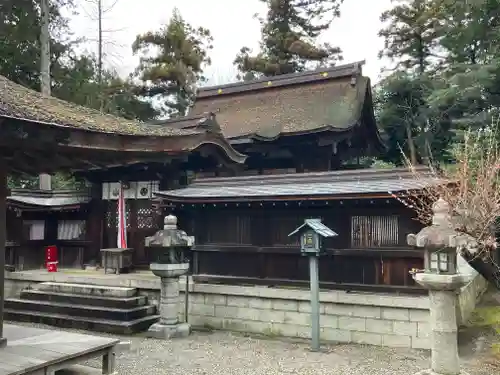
point(121, 241)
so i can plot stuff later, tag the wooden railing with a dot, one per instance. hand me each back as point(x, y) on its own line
point(382, 269)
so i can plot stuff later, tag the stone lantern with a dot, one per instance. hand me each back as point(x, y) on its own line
point(441, 242)
point(168, 248)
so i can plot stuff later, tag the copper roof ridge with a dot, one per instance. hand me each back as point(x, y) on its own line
point(308, 76)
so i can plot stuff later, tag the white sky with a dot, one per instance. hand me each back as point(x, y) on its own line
point(232, 25)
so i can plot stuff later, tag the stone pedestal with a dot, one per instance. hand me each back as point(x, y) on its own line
point(443, 322)
point(441, 243)
point(169, 326)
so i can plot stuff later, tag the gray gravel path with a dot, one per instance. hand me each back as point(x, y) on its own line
point(221, 353)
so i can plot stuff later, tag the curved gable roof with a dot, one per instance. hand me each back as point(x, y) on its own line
point(331, 99)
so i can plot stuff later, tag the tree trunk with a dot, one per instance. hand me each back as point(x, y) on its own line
point(45, 179)
point(411, 144)
point(99, 54)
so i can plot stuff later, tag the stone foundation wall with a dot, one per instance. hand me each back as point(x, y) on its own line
point(471, 293)
point(364, 318)
point(393, 321)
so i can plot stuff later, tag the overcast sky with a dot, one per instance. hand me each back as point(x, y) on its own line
point(232, 25)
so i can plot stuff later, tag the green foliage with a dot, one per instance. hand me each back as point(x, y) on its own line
point(446, 77)
point(409, 124)
point(172, 62)
point(410, 35)
point(60, 181)
point(77, 82)
point(289, 34)
point(20, 22)
point(74, 77)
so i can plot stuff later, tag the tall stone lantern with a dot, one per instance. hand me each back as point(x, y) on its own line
point(168, 248)
point(441, 242)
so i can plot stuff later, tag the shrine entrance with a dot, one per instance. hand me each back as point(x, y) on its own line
point(142, 221)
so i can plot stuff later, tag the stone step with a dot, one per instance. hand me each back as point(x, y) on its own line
point(85, 289)
point(86, 311)
point(80, 299)
point(84, 323)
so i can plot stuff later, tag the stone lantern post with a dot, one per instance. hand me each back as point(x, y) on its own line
point(168, 247)
point(441, 243)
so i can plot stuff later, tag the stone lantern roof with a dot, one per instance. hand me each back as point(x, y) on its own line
point(170, 236)
point(441, 234)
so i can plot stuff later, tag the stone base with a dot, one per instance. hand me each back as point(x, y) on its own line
point(3, 342)
point(165, 332)
point(430, 372)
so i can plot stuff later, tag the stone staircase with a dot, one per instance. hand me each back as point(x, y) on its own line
point(95, 308)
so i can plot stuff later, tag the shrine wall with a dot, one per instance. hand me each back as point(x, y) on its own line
point(470, 293)
point(346, 317)
point(362, 318)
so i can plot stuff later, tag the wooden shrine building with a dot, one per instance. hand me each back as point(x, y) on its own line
point(242, 225)
point(46, 135)
point(39, 218)
point(304, 134)
point(300, 122)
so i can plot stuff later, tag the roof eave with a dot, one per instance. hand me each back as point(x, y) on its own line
point(130, 148)
point(273, 198)
point(251, 137)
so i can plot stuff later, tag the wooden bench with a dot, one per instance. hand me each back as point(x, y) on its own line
point(36, 351)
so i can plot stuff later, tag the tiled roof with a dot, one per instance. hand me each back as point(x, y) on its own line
point(322, 184)
point(330, 99)
point(19, 102)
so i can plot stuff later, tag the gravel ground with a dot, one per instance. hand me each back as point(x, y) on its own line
point(221, 353)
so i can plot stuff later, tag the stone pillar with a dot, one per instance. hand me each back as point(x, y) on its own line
point(169, 300)
point(444, 332)
point(441, 243)
point(169, 326)
point(169, 245)
point(443, 322)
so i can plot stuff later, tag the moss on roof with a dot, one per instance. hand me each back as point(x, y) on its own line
point(305, 107)
point(22, 103)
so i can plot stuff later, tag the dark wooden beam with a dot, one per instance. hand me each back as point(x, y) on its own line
point(276, 283)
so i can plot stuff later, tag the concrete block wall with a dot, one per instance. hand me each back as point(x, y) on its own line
point(366, 318)
point(375, 319)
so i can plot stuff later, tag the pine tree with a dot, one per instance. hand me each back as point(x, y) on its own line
point(410, 37)
point(411, 40)
point(172, 73)
point(470, 73)
point(289, 33)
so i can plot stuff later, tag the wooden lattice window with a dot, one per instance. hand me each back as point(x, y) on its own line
point(147, 218)
point(112, 214)
point(374, 231)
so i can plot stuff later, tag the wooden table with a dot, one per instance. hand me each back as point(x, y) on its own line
point(36, 351)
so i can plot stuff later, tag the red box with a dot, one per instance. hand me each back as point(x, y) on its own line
point(52, 266)
point(51, 255)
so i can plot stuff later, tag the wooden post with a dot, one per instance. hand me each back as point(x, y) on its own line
point(315, 304)
point(108, 362)
point(3, 239)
